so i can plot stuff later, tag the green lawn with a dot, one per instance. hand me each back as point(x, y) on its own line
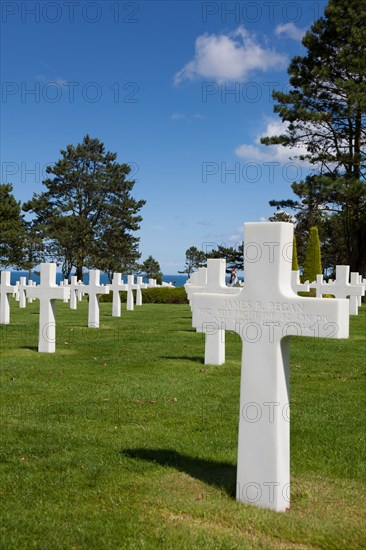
point(124, 439)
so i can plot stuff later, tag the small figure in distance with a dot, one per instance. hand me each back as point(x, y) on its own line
point(233, 277)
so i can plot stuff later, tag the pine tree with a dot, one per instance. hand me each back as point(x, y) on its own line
point(325, 114)
point(233, 255)
point(194, 259)
point(12, 228)
point(151, 269)
point(87, 215)
point(313, 266)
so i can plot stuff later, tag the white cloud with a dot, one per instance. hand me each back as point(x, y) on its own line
point(61, 81)
point(58, 80)
point(290, 30)
point(237, 236)
point(270, 153)
point(185, 117)
point(205, 222)
point(229, 57)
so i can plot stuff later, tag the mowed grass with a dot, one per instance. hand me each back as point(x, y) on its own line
point(124, 439)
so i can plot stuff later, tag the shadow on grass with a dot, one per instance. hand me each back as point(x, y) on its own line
point(31, 348)
point(219, 474)
point(195, 358)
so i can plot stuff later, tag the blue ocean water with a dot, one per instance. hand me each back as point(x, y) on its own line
point(177, 280)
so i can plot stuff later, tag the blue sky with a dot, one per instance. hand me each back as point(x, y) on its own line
point(180, 90)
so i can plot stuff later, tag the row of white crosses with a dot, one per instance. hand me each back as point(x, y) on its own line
point(48, 292)
point(117, 286)
point(342, 287)
point(265, 312)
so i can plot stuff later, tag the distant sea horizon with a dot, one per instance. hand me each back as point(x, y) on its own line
point(176, 280)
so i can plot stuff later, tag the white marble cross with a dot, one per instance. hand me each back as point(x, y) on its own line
point(196, 283)
point(65, 283)
point(140, 285)
point(80, 291)
point(321, 286)
point(152, 283)
point(73, 287)
point(5, 289)
point(16, 292)
point(47, 292)
point(296, 285)
point(211, 279)
point(116, 286)
point(22, 289)
point(264, 313)
point(30, 283)
point(341, 288)
point(355, 301)
point(130, 286)
point(94, 289)
point(360, 282)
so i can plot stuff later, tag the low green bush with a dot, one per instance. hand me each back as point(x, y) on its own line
point(159, 295)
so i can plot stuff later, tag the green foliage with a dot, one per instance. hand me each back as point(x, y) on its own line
point(325, 114)
point(151, 269)
point(126, 428)
point(194, 259)
point(295, 262)
point(87, 215)
point(312, 266)
point(33, 247)
point(163, 295)
point(281, 217)
point(234, 256)
point(12, 228)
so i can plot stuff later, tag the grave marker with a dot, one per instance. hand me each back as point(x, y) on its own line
point(117, 286)
point(264, 313)
point(296, 285)
point(73, 287)
point(94, 289)
point(22, 295)
point(80, 293)
point(130, 287)
point(5, 290)
point(320, 286)
point(47, 292)
point(65, 283)
point(211, 279)
point(356, 301)
point(341, 288)
point(16, 291)
point(140, 286)
point(30, 283)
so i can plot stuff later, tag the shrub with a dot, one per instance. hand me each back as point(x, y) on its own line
point(155, 296)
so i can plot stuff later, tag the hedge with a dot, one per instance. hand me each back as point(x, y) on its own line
point(158, 295)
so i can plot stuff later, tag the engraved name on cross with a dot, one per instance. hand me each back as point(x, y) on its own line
point(264, 313)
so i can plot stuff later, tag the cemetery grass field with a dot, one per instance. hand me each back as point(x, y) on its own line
point(124, 439)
